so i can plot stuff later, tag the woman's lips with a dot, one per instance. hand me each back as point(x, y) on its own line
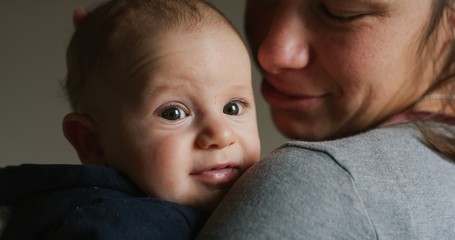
point(218, 176)
point(278, 99)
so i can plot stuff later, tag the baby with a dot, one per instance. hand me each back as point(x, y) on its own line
point(161, 96)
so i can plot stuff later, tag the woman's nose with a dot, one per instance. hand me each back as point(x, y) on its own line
point(215, 134)
point(286, 44)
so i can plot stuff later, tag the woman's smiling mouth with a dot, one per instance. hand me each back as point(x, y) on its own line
point(281, 100)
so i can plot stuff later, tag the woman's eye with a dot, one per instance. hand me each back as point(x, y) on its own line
point(173, 113)
point(338, 16)
point(233, 108)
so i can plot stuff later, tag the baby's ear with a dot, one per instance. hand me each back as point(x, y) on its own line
point(82, 133)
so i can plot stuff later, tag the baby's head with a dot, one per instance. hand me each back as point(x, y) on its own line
point(161, 91)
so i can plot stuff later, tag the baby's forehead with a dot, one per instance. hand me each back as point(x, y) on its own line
point(146, 44)
point(153, 51)
point(138, 44)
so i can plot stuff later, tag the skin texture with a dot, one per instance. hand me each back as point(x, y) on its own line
point(335, 68)
point(182, 123)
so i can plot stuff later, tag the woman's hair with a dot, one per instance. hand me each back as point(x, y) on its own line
point(439, 136)
point(104, 40)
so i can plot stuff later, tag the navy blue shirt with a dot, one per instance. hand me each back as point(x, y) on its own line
point(88, 202)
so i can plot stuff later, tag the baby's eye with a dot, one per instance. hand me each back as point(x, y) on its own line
point(233, 108)
point(173, 113)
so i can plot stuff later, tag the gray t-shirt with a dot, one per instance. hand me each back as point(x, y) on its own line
point(382, 184)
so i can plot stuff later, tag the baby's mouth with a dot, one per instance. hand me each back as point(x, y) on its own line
point(218, 176)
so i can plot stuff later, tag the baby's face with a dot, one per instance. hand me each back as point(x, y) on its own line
point(190, 129)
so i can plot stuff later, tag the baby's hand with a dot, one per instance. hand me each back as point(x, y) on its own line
point(79, 16)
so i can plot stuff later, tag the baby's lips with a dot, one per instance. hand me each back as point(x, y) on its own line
point(218, 176)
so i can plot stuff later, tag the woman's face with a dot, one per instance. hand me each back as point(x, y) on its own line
point(333, 68)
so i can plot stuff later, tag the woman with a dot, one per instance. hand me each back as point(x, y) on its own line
point(365, 89)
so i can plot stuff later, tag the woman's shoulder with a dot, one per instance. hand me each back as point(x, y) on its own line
point(358, 151)
point(385, 137)
point(375, 175)
point(358, 186)
point(288, 195)
point(385, 154)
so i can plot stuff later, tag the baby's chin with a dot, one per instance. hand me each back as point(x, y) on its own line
point(209, 203)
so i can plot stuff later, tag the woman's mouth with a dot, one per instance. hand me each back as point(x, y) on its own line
point(281, 100)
